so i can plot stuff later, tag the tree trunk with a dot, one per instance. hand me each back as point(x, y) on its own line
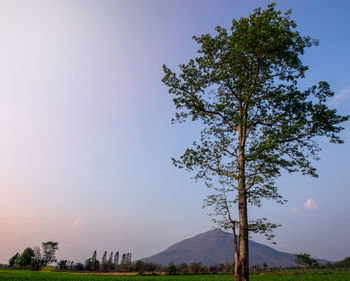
point(242, 264)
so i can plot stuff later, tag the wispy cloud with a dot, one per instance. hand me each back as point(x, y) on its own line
point(77, 221)
point(309, 205)
point(338, 97)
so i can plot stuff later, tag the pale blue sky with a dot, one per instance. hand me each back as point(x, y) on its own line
point(86, 134)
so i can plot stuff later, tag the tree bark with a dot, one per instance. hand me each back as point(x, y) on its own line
point(242, 263)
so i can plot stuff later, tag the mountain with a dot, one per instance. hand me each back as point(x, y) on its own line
point(215, 247)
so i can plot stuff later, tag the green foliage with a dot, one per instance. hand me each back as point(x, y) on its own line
point(48, 268)
point(37, 260)
point(243, 89)
point(245, 81)
point(344, 263)
point(49, 252)
point(25, 259)
point(104, 265)
point(30, 258)
point(171, 269)
point(305, 260)
point(140, 267)
point(125, 264)
point(93, 263)
point(110, 264)
point(116, 261)
point(63, 264)
point(12, 260)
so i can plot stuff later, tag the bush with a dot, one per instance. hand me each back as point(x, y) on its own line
point(49, 268)
point(171, 269)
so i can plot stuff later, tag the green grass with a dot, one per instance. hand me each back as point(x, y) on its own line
point(19, 275)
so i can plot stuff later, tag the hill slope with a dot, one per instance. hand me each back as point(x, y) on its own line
point(215, 247)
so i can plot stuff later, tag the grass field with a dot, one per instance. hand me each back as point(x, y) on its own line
point(20, 275)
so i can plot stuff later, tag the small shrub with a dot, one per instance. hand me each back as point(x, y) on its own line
point(49, 269)
point(171, 269)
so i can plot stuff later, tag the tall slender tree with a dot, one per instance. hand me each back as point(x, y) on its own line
point(123, 262)
point(243, 88)
point(95, 264)
point(128, 261)
point(116, 261)
point(104, 265)
point(49, 252)
point(110, 264)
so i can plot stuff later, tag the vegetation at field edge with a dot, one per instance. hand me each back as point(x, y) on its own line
point(19, 275)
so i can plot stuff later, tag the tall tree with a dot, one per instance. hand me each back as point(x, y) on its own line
point(49, 252)
point(128, 261)
point(37, 260)
point(305, 260)
point(116, 261)
point(123, 262)
point(104, 265)
point(243, 88)
point(110, 264)
point(25, 259)
point(12, 260)
point(93, 261)
point(94, 264)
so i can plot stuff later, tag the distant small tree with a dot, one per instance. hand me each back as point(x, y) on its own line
point(88, 264)
point(140, 267)
point(150, 266)
point(37, 259)
point(104, 265)
point(95, 263)
point(343, 263)
point(78, 266)
point(116, 261)
point(305, 260)
point(25, 259)
point(129, 263)
point(183, 268)
point(221, 267)
point(63, 264)
point(213, 269)
point(194, 267)
point(110, 265)
point(92, 263)
point(171, 269)
point(49, 252)
point(12, 260)
point(123, 262)
point(204, 269)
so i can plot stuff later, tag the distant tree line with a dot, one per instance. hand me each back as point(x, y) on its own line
point(36, 257)
point(345, 263)
point(198, 268)
point(115, 262)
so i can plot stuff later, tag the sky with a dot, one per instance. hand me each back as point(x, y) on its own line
point(86, 139)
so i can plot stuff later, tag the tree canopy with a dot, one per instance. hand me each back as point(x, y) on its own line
point(243, 88)
point(305, 260)
point(49, 252)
